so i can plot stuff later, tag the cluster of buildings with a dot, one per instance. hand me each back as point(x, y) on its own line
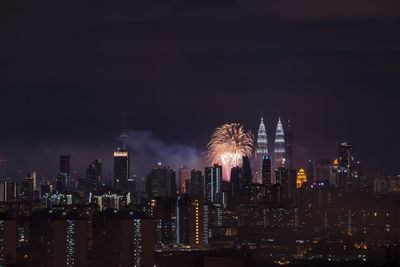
point(268, 212)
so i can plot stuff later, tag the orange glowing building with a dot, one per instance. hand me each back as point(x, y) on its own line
point(301, 178)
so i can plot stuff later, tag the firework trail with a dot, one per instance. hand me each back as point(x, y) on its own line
point(228, 144)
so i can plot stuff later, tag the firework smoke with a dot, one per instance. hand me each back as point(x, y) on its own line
point(228, 144)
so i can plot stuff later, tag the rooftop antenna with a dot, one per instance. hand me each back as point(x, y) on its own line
point(123, 135)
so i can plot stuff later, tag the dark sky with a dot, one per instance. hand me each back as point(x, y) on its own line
point(70, 69)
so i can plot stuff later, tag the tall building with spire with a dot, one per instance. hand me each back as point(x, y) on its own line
point(261, 150)
point(121, 165)
point(279, 149)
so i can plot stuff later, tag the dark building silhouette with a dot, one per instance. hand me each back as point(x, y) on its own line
point(236, 177)
point(57, 238)
point(289, 146)
point(123, 238)
point(93, 176)
point(162, 181)
point(8, 240)
point(310, 171)
point(3, 169)
point(196, 183)
point(282, 178)
point(266, 170)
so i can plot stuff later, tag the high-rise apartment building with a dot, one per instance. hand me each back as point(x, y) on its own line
point(213, 184)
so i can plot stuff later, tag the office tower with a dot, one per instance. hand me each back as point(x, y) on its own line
point(8, 191)
point(3, 169)
point(289, 146)
point(261, 150)
point(311, 171)
point(247, 176)
point(266, 170)
point(196, 183)
point(301, 178)
point(282, 178)
point(162, 180)
point(93, 176)
point(213, 184)
point(65, 168)
point(346, 163)
point(190, 222)
point(58, 238)
point(292, 173)
point(236, 177)
point(279, 149)
point(184, 174)
point(8, 241)
point(121, 169)
point(123, 238)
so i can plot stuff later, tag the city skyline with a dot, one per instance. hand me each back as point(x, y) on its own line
point(146, 147)
point(199, 133)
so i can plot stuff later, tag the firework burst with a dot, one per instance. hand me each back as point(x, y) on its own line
point(228, 144)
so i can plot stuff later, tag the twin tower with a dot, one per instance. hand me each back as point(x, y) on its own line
point(282, 155)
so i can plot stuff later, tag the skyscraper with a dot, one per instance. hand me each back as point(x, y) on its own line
point(63, 179)
point(213, 184)
point(196, 183)
point(266, 170)
point(162, 180)
point(261, 150)
point(121, 169)
point(279, 150)
point(346, 162)
point(121, 165)
point(301, 178)
point(289, 146)
point(93, 175)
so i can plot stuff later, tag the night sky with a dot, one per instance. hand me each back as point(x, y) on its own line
point(69, 70)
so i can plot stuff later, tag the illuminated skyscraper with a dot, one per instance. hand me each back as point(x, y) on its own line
point(279, 150)
point(261, 150)
point(301, 178)
point(121, 165)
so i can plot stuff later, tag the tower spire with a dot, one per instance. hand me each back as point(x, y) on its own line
point(261, 150)
point(124, 134)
